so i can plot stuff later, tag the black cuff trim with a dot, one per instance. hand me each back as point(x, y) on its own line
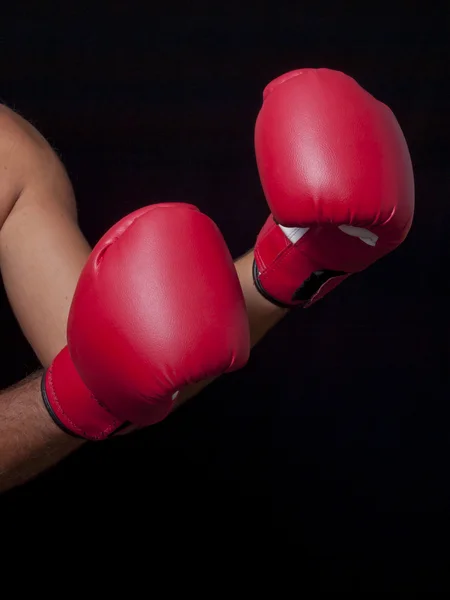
point(263, 292)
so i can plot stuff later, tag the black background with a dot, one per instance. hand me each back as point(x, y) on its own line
point(333, 444)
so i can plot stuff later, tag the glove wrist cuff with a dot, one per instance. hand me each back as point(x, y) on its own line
point(71, 405)
point(284, 274)
point(262, 291)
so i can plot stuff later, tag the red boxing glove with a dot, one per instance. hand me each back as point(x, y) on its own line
point(158, 306)
point(337, 175)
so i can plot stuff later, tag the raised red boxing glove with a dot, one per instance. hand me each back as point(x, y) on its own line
point(158, 306)
point(337, 175)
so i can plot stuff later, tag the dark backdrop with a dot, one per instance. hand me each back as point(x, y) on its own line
point(333, 444)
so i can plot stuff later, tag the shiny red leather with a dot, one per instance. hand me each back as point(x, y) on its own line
point(328, 154)
point(158, 306)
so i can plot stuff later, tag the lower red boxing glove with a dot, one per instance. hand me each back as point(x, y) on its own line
point(158, 306)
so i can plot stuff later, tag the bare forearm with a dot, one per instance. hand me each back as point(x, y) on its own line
point(29, 440)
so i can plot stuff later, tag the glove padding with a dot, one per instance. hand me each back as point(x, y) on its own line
point(158, 306)
point(337, 175)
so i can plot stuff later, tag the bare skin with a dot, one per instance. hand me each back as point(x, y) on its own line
point(42, 253)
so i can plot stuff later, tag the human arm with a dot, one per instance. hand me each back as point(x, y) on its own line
point(30, 442)
point(42, 253)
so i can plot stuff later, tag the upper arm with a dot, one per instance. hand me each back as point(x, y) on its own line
point(42, 250)
point(28, 162)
